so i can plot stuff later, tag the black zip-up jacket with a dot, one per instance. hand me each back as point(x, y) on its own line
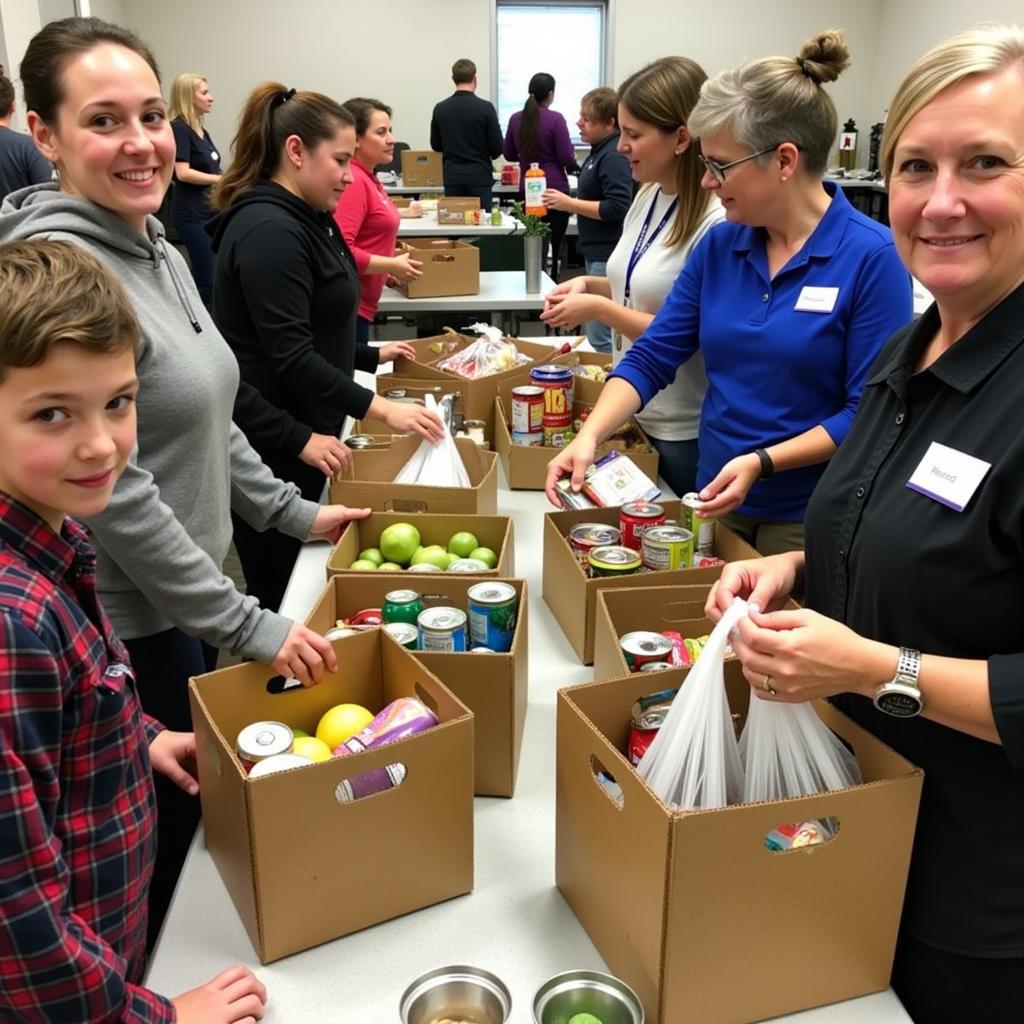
point(464, 128)
point(606, 177)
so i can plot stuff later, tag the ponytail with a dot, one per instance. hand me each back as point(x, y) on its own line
point(528, 142)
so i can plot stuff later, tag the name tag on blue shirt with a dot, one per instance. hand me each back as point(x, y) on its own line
point(948, 476)
point(816, 300)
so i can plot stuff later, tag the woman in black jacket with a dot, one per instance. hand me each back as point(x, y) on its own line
point(286, 297)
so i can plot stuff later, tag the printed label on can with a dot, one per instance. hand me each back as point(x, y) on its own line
point(493, 610)
point(667, 547)
point(527, 410)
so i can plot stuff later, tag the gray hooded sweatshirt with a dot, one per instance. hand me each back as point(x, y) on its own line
point(162, 540)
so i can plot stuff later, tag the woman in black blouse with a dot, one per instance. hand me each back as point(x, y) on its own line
point(914, 564)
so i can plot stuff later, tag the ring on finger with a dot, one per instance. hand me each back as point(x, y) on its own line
point(766, 685)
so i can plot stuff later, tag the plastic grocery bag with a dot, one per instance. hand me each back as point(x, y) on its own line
point(437, 465)
point(693, 763)
point(483, 357)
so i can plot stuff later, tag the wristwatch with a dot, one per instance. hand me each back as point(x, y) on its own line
point(901, 695)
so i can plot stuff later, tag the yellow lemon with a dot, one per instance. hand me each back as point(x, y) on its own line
point(342, 722)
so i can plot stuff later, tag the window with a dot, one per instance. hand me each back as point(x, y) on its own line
point(566, 38)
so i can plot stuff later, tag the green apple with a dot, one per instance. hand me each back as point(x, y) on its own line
point(389, 567)
point(462, 543)
point(299, 733)
point(398, 542)
point(433, 554)
point(372, 555)
point(486, 555)
point(362, 565)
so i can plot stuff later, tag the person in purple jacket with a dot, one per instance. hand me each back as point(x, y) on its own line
point(537, 134)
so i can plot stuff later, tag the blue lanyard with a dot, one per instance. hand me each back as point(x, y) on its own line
point(643, 243)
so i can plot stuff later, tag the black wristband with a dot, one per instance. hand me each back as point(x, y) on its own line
point(767, 466)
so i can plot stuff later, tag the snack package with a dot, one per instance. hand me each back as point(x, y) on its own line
point(490, 354)
point(615, 479)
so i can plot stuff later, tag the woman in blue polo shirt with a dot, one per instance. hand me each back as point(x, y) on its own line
point(788, 302)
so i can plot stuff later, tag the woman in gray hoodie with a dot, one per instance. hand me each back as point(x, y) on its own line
point(96, 112)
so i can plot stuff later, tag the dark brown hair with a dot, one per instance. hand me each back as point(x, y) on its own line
point(463, 71)
point(6, 94)
point(54, 45)
point(362, 108)
point(271, 114)
point(541, 86)
point(603, 103)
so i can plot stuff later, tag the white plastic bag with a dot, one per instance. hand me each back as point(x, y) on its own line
point(437, 465)
point(693, 763)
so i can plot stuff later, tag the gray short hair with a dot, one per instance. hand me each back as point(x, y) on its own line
point(778, 99)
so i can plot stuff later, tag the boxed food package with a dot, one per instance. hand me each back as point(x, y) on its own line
point(452, 210)
point(422, 168)
point(572, 595)
point(494, 532)
point(369, 481)
point(450, 267)
point(721, 929)
point(493, 686)
point(302, 863)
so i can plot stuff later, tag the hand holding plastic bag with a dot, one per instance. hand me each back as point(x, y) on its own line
point(437, 465)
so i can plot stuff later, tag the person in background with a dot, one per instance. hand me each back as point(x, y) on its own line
point(366, 216)
point(669, 216)
point(96, 112)
point(21, 164)
point(465, 129)
point(77, 811)
point(286, 300)
point(603, 194)
point(539, 135)
point(788, 302)
point(196, 169)
point(913, 567)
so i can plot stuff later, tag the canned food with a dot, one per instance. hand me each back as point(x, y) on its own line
point(650, 711)
point(667, 547)
point(584, 537)
point(655, 666)
point(613, 560)
point(639, 741)
point(360, 441)
point(442, 629)
point(278, 763)
point(528, 440)
point(641, 646)
point(365, 617)
point(261, 740)
point(637, 516)
point(527, 410)
point(556, 383)
point(703, 530)
point(395, 393)
point(475, 431)
point(340, 631)
point(701, 561)
point(493, 608)
point(367, 783)
point(402, 606)
point(558, 436)
point(404, 633)
point(423, 567)
point(468, 565)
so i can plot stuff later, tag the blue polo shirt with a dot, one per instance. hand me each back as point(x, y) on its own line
point(782, 355)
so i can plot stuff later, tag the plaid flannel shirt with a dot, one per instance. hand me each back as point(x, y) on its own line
point(77, 810)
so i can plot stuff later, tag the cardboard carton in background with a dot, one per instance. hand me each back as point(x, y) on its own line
point(421, 168)
point(588, 391)
point(302, 867)
point(449, 267)
point(679, 904)
point(452, 210)
point(369, 481)
point(492, 686)
point(494, 532)
point(572, 596)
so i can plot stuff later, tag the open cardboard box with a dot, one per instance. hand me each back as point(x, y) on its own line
point(492, 686)
point(369, 481)
point(302, 867)
point(572, 596)
point(415, 388)
point(452, 209)
point(494, 532)
point(450, 267)
point(691, 909)
point(588, 390)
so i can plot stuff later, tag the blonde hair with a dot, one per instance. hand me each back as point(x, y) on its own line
point(979, 51)
point(183, 101)
point(778, 99)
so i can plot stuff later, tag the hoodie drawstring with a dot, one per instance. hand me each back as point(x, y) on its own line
point(161, 246)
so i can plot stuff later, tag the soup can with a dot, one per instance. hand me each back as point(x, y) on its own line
point(338, 632)
point(402, 606)
point(468, 565)
point(642, 647)
point(527, 410)
point(703, 530)
point(613, 560)
point(655, 666)
point(528, 440)
point(556, 383)
point(667, 547)
point(278, 763)
point(261, 740)
point(493, 608)
point(442, 629)
point(637, 516)
point(360, 441)
point(404, 633)
point(584, 537)
point(423, 567)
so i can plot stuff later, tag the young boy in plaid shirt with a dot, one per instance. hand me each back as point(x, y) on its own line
point(77, 812)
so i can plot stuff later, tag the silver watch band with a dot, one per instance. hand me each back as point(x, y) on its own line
point(908, 668)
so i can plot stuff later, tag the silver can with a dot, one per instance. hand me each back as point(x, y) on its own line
point(260, 740)
point(278, 763)
point(468, 565)
point(443, 629)
point(360, 441)
point(703, 530)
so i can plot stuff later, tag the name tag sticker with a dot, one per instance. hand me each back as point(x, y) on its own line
point(948, 476)
point(817, 300)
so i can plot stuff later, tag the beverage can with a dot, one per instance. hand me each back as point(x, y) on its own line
point(643, 646)
point(703, 530)
point(613, 560)
point(667, 547)
point(442, 629)
point(260, 740)
point(493, 608)
point(584, 537)
point(472, 565)
point(637, 516)
point(404, 633)
point(402, 606)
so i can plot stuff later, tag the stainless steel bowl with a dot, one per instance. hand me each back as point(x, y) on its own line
point(459, 993)
point(610, 1000)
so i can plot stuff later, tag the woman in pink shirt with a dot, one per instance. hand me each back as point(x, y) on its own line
point(367, 217)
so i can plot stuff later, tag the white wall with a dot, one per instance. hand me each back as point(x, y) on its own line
point(19, 22)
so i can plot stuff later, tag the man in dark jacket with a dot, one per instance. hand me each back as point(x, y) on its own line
point(21, 163)
point(464, 128)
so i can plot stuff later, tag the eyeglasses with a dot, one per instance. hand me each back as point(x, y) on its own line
point(718, 170)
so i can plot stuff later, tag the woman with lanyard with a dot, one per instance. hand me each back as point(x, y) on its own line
point(789, 302)
point(668, 217)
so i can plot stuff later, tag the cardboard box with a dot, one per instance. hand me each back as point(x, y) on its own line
point(301, 867)
point(421, 168)
point(494, 532)
point(527, 468)
point(691, 909)
point(369, 481)
point(416, 388)
point(588, 390)
point(450, 267)
point(452, 210)
point(492, 686)
point(401, 202)
point(572, 596)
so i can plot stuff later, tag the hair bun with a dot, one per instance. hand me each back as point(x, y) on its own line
point(824, 57)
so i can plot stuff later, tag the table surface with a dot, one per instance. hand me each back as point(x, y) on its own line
point(499, 290)
point(515, 923)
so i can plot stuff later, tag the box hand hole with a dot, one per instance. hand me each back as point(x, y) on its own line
point(371, 783)
point(605, 781)
point(798, 835)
